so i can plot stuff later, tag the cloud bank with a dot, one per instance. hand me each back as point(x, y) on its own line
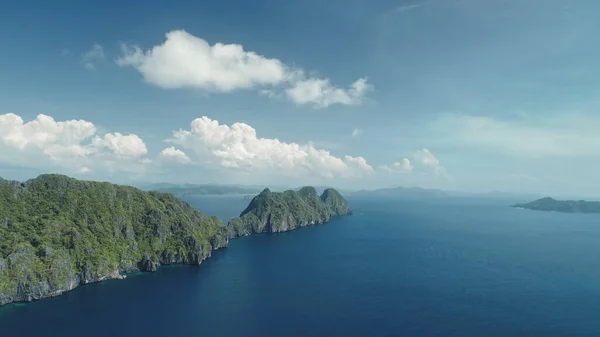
point(233, 151)
point(238, 147)
point(45, 143)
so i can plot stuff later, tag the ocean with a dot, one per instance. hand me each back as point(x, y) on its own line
point(437, 267)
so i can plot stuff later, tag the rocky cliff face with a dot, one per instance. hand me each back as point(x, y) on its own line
point(57, 233)
point(280, 212)
point(336, 202)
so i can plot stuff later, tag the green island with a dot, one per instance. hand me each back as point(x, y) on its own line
point(567, 206)
point(57, 232)
point(283, 211)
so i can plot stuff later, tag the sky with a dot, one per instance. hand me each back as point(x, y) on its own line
point(470, 95)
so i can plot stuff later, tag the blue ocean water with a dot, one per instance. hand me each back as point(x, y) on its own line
point(447, 267)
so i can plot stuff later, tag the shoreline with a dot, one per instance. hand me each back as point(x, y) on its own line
point(124, 276)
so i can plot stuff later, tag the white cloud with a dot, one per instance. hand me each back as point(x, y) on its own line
point(171, 153)
point(233, 152)
point(237, 147)
point(45, 142)
point(357, 132)
point(403, 166)
point(423, 162)
point(321, 93)
point(43, 132)
point(90, 57)
point(426, 159)
point(124, 145)
point(358, 166)
point(186, 61)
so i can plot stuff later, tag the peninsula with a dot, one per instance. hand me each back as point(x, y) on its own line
point(57, 233)
point(567, 206)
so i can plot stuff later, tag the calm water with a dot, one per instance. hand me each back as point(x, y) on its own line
point(395, 268)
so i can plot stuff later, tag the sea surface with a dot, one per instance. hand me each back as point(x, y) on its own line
point(443, 267)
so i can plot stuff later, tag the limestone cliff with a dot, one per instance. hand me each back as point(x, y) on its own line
point(284, 211)
point(57, 233)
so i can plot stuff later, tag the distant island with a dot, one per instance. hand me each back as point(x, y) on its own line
point(57, 232)
point(404, 192)
point(567, 206)
point(283, 211)
point(428, 193)
point(249, 191)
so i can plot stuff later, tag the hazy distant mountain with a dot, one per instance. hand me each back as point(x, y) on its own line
point(201, 189)
point(417, 192)
point(412, 192)
point(399, 192)
point(509, 195)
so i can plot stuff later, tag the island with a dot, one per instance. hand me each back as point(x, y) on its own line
point(567, 206)
point(283, 211)
point(57, 233)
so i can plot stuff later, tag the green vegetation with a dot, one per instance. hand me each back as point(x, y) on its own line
point(283, 211)
point(568, 206)
point(57, 232)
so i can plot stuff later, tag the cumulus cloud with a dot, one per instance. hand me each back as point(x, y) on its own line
point(43, 132)
point(173, 154)
point(124, 145)
point(423, 161)
point(403, 166)
point(90, 57)
point(321, 93)
point(239, 148)
point(74, 144)
point(358, 165)
point(186, 61)
point(426, 159)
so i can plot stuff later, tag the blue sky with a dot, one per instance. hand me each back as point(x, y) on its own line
point(457, 94)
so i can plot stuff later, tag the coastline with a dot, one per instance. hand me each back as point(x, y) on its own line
point(115, 275)
point(123, 275)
